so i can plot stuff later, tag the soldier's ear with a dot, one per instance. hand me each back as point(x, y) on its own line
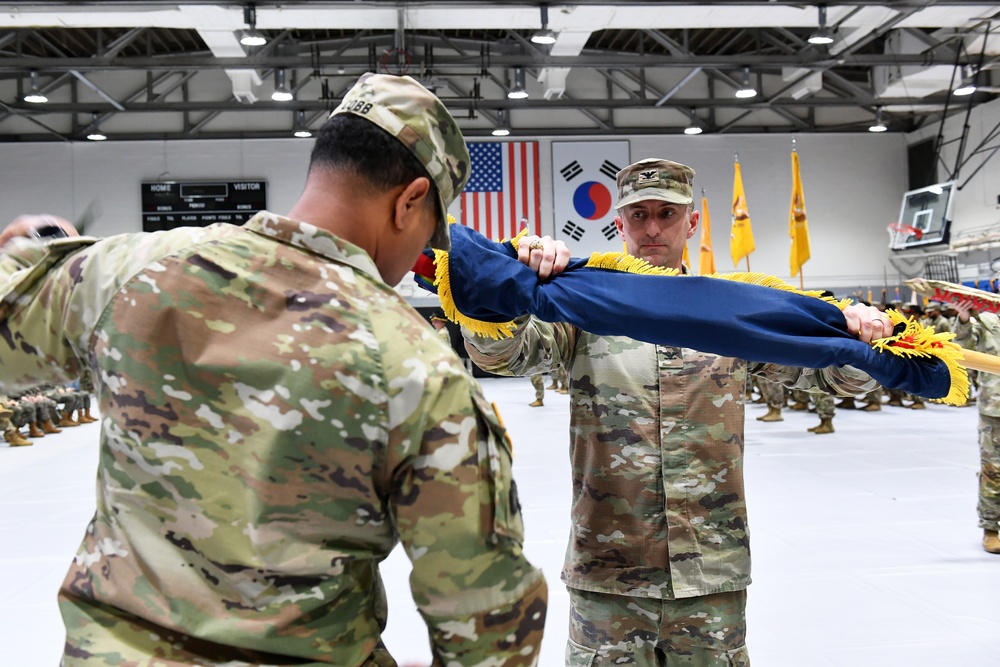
point(694, 223)
point(411, 200)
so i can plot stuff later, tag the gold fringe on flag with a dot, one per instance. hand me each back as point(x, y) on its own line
point(919, 341)
point(494, 330)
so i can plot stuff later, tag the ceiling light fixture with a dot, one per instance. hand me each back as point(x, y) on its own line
point(301, 131)
point(281, 93)
point(251, 36)
point(968, 85)
point(503, 127)
point(544, 36)
point(518, 92)
point(695, 126)
point(35, 96)
point(95, 131)
point(747, 91)
point(822, 35)
point(879, 126)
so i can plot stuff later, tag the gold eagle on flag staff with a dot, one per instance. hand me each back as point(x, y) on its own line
point(981, 300)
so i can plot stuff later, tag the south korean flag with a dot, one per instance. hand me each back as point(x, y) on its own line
point(584, 193)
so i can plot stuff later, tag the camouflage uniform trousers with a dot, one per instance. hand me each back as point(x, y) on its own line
point(69, 400)
point(704, 631)
point(989, 472)
point(538, 382)
point(25, 413)
point(899, 395)
point(560, 377)
point(824, 404)
point(45, 409)
point(874, 396)
point(773, 393)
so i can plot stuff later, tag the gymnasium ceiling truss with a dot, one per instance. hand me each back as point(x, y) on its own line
point(176, 70)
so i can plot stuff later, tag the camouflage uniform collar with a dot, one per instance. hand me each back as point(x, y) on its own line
point(311, 238)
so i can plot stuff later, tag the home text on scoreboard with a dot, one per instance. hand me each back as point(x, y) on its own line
point(169, 204)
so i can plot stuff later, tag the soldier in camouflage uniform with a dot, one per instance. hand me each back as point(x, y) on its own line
point(67, 401)
point(275, 418)
point(825, 409)
point(86, 387)
point(43, 410)
point(774, 395)
point(560, 380)
point(983, 335)
point(12, 418)
point(538, 382)
point(658, 558)
point(873, 400)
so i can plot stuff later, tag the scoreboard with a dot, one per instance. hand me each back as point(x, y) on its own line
point(169, 204)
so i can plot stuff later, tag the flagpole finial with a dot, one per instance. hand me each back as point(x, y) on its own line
point(736, 156)
point(793, 143)
point(703, 192)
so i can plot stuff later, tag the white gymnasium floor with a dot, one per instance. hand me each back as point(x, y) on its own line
point(866, 549)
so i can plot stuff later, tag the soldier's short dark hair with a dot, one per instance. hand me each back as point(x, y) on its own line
point(352, 144)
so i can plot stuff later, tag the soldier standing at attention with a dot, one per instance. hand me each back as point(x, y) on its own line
point(275, 418)
point(983, 335)
point(538, 383)
point(659, 556)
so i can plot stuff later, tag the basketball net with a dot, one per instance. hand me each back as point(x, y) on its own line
point(900, 235)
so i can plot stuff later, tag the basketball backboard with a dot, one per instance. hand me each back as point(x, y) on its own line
point(924, 217)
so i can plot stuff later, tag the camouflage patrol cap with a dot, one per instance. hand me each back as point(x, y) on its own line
point(652, 178)
point(414, 115)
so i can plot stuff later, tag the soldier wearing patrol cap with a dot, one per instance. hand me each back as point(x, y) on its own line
point(276, 418)
point(658, 558)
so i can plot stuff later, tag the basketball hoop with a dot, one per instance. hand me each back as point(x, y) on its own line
point(900, 235)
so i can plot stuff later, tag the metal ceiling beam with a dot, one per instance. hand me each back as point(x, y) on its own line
point(808, 60)
point(500, 103)
point(121, 5)
point(469, 133)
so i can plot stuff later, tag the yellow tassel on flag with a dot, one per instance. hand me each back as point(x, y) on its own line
point(798, 226)
point(706, 256)
point(741, 233)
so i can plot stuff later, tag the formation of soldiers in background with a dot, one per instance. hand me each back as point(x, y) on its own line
point(43, 409)
point(940, 317)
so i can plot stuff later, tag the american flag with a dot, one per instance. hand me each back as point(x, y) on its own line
point(502, 189)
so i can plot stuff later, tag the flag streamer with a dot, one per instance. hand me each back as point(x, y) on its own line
point(741, 233)
point(798, 224)
point(706, 256)
point(752, 316)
